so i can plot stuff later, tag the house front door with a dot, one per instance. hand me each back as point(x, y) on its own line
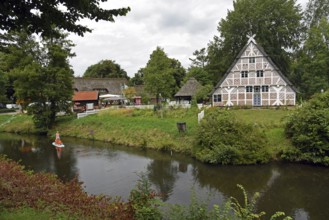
point(257, 96)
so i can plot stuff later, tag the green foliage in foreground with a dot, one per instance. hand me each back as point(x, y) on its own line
point(223, 139)
point(145, 204)
point(308, 129)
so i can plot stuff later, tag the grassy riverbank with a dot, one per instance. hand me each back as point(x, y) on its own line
point(149, 129)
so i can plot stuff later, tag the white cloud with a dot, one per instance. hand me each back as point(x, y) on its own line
point(179, 27)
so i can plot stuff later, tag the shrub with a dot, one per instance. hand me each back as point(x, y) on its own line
point(308, 129)
point(223, 139)
point(230, 210)
point(144, 200)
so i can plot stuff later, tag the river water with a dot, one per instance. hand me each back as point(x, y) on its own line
point(301, 191)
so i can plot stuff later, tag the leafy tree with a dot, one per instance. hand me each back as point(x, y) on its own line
point(218, 61)
point(18, 50)
point(202, 96)
point(179, 74)
point(276, 24)
point(315, 11)
point(200, 59)
point(159, 75)
point(38, 16)
point(200, 75)
point(43, 77)
point(138, 79)
point(314, 60)
point(105, 69)
point(311, 65)
point(129, 93)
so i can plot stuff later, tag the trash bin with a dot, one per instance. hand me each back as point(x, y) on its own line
point(181, 126)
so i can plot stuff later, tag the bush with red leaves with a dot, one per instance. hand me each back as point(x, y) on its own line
point(44, 191)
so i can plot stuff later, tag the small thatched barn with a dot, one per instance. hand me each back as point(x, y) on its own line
point(102, 85)
point(188, 90)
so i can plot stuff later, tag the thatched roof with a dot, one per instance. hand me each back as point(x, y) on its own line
point(108, 85)
point(190, 88)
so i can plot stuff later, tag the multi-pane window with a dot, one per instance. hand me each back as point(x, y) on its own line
point(244, 74)
point(256, 88)
point(248, 88)
point(264, 88)
point(260, 73)
point(217, 98)
point(251, 59)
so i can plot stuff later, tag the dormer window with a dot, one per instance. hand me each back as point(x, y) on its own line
point(244, 74)
point(251, 59)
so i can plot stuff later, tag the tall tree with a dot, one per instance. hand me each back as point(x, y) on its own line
point(179, 74)
point(311, 72)
point(46, 80)
point(159, 75)
point(39, 16)
point(276, 24)
point(200, 59)
point(18, 50)
point(105, 69)
point(315, 11)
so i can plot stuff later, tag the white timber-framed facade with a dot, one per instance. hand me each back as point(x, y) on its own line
point(253, 80)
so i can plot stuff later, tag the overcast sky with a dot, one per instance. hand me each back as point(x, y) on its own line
point(178, 26)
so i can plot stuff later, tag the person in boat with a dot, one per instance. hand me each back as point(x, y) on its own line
point(58, 139)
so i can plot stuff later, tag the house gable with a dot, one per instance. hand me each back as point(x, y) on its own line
point(253, 79)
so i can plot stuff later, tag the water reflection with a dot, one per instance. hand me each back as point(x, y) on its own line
point(37, 153)
point(299, 190)
point(163, 174)
point(302, 191)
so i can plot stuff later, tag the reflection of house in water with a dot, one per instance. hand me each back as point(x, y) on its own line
point(225, 178)
point(27, 147)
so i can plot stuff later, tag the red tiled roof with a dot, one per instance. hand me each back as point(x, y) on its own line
point(85, 95)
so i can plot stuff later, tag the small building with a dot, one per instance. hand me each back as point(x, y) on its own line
point(253, 80)
point(85, 100)
point(137, 100)
point(188, 91)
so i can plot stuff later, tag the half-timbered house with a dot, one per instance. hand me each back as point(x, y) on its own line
point(253, 80)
